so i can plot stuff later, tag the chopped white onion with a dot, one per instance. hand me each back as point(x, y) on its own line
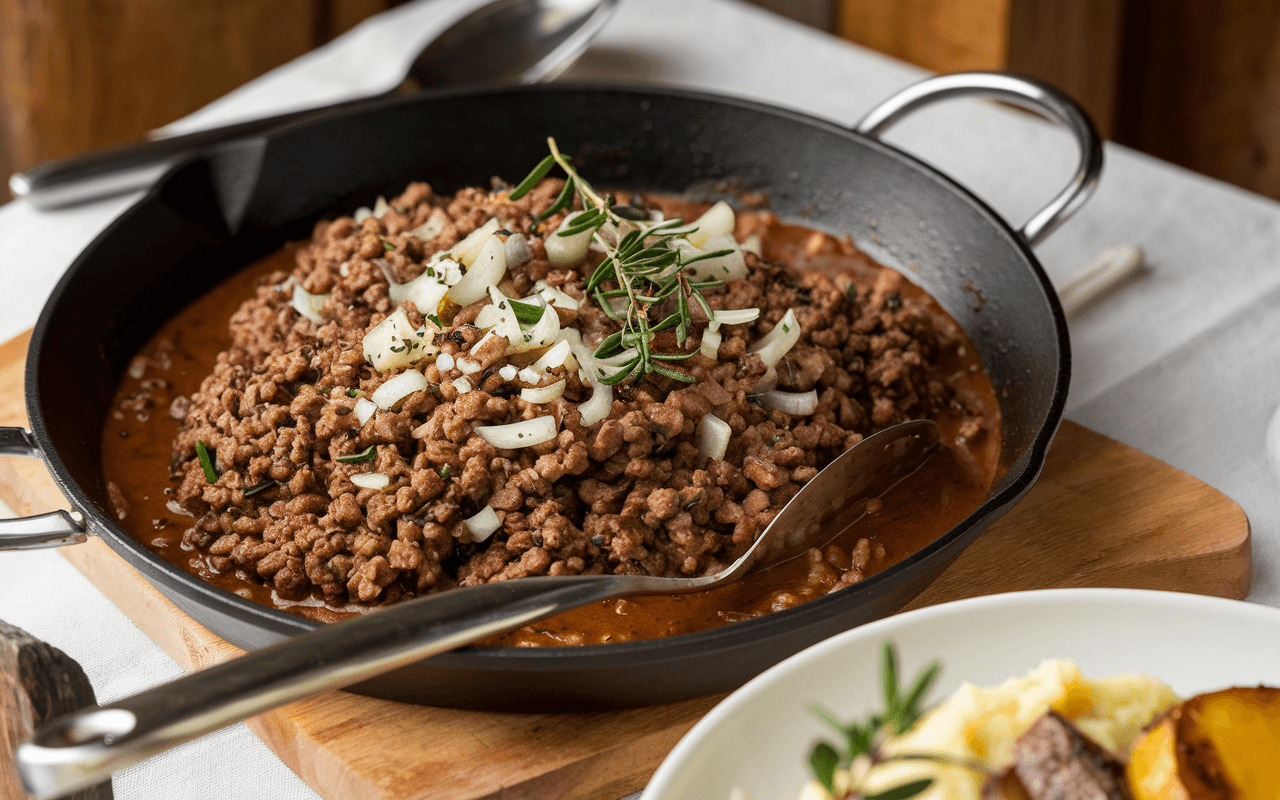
point(734, 316)
point(775, 344)
point(468, 249)
point(797, 404)
point(307, 304)
point(565, 251)
point(462, 385)
point(521, 339)
point(371, 480)
point(398, 388)
point(525, 433)
point(467, 366)
point(380, 207)
point(487, 317)
point(425, 291)
point(529, 375)
point(507, 372)
point(753, 244)
point(710, 346)
point(769, 381)
point(601, 402)
point(718, 220)
point(432, 227)
point(483, 524)
point(487, 268)
point(728, 267)
point(543, 394)
point(444, 362)
point(713, 436)
point(394, 343)
point(552, 358)
point(555, 297)
point(363, 213)
point(364, 410)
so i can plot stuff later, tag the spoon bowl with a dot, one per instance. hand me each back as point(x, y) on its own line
point(83, 749)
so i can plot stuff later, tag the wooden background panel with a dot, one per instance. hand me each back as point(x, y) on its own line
point(75, 76)
point(941, 35)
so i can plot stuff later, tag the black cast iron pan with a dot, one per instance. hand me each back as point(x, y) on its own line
point(214, 214)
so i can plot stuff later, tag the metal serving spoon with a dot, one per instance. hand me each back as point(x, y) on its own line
point(83, 749)
point(502, 42)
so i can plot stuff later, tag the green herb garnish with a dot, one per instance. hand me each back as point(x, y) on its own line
point(527, 313)
point(445, 472)
point(262, 487)
point(356, 458)
point(353, 393)
point(202, 453)
point(902, 711)
point(643, 272)
point(388, 246)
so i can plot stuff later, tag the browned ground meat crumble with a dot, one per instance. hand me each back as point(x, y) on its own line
point(630, 494)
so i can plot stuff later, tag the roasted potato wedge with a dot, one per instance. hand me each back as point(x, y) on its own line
point(1216, 746)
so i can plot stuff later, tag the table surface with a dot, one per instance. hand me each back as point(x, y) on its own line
point(1183, 363)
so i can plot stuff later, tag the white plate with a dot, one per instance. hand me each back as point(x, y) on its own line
point(760, 736)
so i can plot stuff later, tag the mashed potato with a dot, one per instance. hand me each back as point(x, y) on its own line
point(977, 724)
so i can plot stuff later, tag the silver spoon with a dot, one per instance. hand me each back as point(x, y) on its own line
point(83, 749)
point(502, 42)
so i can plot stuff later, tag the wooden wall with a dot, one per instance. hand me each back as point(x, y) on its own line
point(77, 75)
point(1196, 82)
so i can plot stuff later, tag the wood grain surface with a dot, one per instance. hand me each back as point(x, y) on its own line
point(1102, 514)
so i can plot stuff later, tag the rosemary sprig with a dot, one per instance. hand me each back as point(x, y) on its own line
point(902, 711)
point(206, 462)
point(644, 273)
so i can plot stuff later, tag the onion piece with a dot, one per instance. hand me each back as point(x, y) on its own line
point(601, 402)
point(444, 362)
point(362, 213)
point(769, 380)
point(483, 524)
point(308, 304)
point(555, 297)
point(398, 388)
point(380, 207)
point(553, 358)
point(543, 394)
point(728, 267)
point(775, 344)
point(543, 333)
point(468, 366)
point(432, 227)
point(718, 220)
point(394, 343)
point(364, 410)
point(713, 436)
point(710, 346)
point(507, 372)
point(487, 268)
point(734, 316)
point(752, 244)
point(525, 433)
point(565, 251)
point(463, 385)
point(797, 404)
point(371, 480)
point(487, 317)
point(517, 251)
point(467, 250)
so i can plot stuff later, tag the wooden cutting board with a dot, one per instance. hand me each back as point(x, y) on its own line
point(1102, 514)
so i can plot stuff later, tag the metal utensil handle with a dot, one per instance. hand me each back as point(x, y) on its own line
point(44, 530)
point(83, 749)
point(1024, 93)
point(127, 168)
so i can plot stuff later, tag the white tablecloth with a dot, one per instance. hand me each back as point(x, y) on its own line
point(1183, 363)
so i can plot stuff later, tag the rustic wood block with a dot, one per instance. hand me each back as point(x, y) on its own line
point(1102, 514)
point(38, 682)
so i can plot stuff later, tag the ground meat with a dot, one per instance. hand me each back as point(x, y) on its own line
point(627, 495)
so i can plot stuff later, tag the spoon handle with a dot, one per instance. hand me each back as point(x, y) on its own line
point(129, 167)
point(83, 749)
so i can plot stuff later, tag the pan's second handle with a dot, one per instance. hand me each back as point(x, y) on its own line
point(1024, 93)
point(46, 530)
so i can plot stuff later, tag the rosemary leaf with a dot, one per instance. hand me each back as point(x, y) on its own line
point(901, 792)
point(262, 487)
point(527, 313)
point(823, 761)
point(355, 458)
point(531, 180)
point(206, 462)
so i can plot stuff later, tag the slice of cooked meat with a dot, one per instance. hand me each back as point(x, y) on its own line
point(1053, 760)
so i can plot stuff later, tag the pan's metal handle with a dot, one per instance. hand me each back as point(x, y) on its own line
point(45, 530)
point(1024, 93)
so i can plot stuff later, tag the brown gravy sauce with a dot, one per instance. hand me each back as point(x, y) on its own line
point(138, 437)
